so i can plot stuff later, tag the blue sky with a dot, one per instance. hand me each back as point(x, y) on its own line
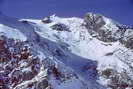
point(119, 10)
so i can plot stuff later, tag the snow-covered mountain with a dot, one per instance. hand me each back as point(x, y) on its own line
point(65, 53)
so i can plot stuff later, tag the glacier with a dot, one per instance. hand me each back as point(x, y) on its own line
point(65, 53)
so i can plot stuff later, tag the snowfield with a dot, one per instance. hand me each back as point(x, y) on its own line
point(65, 53)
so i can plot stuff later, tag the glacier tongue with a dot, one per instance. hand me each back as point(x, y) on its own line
point(65, 53)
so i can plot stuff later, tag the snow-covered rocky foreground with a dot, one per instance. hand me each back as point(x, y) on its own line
point(65, 53)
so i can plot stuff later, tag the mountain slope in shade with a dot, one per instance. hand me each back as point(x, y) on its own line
point(65, 53)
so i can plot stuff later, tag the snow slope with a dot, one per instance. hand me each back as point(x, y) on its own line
point(72, 53)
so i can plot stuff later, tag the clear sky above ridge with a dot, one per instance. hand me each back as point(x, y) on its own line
point(119, 10)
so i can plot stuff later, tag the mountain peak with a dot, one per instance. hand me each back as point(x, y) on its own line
point(65, 53)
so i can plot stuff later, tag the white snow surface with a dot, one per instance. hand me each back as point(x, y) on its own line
point(82, 49)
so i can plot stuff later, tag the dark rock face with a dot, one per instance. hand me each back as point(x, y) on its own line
point(60, 27)
point(17, 63)
point(42, 84)
point(117, 80)
point(98, 28)
point(27, 75)
point(95, 23)
point(129, 43)
point(127, 38)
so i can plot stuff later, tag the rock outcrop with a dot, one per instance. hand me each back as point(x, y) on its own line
point(108, 32)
